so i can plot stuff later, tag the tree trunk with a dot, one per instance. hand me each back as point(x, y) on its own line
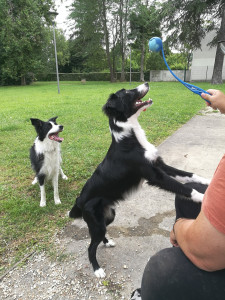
point(106, 34)
point(122, 50)
point(218, 65)
point(23, 80)
point(142, 75)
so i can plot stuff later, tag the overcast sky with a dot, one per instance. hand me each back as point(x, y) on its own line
point(62, 8)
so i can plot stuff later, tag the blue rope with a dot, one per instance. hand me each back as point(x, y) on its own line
point(195, 89)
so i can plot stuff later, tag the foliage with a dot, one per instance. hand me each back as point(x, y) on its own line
point(144, 24)
point(22, 37)
point(103, 31)
point(189, 21)
point(82, 61)
point(140, 21)
point(48, 51)
point(86, 42)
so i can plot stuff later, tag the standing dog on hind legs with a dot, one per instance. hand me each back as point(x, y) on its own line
point(130, 160)
point(45, 156)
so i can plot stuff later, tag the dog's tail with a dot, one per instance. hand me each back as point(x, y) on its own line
point(75, 212)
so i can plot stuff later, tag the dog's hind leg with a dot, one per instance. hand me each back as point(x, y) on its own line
point(109, 215)
point(93, 216)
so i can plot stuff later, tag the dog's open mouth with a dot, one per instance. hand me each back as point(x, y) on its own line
point(55, 137)
point(139, 103)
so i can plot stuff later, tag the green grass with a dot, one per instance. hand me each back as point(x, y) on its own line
point(24, 225)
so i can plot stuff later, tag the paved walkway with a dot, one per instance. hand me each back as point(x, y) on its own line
point(139, 233)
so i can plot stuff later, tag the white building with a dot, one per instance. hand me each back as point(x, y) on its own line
point(203, 60)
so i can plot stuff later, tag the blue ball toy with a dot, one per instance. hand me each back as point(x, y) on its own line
point(155, 44)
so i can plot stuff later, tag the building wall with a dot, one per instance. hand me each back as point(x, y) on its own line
point(165, 75)
point(203, 61)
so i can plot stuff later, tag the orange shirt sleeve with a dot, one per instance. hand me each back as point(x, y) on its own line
point(213, 204)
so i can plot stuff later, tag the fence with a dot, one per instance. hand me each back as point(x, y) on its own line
point(153, 75)
point(165, 75)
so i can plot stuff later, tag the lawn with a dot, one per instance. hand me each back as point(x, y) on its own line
point(24, 226)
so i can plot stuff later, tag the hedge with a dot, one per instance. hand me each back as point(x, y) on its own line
point(93, 76)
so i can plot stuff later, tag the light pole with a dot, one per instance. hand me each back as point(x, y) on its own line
point(130, 64)
point(53, 13)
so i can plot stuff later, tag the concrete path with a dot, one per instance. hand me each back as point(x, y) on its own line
point(141, 228)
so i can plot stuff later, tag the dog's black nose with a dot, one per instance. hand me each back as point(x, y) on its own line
point(61, 127)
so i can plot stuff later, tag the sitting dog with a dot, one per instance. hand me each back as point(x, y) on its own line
point(130, 160)
point(45, 156)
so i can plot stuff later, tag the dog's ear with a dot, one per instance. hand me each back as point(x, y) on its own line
point(53, 119)
point(113, 105)
point(36, 122)
point(38, 125)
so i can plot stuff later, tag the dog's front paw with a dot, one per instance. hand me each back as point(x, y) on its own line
point(100, 273)
point(208, 181)
point(42, 203)
point(57, 201)
point(196, 196)
point(200, 179)
point(34, 181)
point(64, 177)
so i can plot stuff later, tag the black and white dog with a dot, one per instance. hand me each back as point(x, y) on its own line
point(45, 156)
point(130, 160)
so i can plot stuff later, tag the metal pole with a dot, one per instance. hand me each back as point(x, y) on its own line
point(56, 60)
point(130, 65)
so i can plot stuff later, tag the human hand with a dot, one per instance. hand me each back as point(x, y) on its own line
point(217, 99)
point(173, 240)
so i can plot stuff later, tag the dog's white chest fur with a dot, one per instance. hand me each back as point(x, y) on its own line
point(52, 157)
point(132, 124)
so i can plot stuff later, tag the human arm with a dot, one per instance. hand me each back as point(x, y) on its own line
point(217, 99)
point(202, 243)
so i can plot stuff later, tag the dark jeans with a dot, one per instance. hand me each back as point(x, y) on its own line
point(170, 275)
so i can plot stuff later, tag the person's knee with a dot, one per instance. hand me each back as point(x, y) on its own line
point(158, 275)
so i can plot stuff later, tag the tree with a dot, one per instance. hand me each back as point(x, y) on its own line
point(123, 23)
point(106, 22)
point(189, 21)
point(144, 23)
point(48, 52)
point(219, 59)
point(22, 37)
point(103, 10)
point(86, 42)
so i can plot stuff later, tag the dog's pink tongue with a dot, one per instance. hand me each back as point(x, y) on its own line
point(56, 138)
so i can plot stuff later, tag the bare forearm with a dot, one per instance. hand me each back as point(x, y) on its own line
point(184, 238)
point(201, 242)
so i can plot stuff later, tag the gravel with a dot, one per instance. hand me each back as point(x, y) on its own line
point(42, 279)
